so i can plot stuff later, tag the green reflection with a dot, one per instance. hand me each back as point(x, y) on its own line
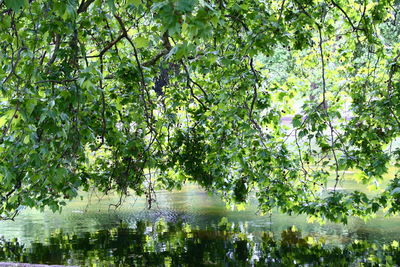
point(179, 244)
point(191, 205)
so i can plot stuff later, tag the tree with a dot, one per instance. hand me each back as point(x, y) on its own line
point(138, 95)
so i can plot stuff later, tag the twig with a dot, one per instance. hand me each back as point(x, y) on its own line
point(57, 81)
point(345, 14)
point(9, 123)
point(281, 10)
point(103, 106)
point(14, 65)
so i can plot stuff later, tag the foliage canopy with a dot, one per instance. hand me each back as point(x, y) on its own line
point(138, 95)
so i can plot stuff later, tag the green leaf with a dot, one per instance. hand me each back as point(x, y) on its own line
point(185, 5)
point(297, 121)
point(43, 116)
point(111, 5)
point(3, 120)
point(68, 13)
point(302, 133)
point(181, 51)
point(29, 202)
point(141, 42)
point(134, 2)
point(15, 5)
point(30, 105)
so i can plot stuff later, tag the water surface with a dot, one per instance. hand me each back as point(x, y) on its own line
point(192, 205)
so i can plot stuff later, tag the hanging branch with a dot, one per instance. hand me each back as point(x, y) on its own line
point(144, 90)
point(325, 106)
point(254, 89)
point(188, 81)
point(254, 99)
point(135, 53)
point(103, 107)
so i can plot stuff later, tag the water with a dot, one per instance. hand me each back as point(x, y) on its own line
point(95, 217)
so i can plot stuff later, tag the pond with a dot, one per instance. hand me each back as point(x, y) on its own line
point(189, 227)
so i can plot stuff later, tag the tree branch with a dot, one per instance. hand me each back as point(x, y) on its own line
point(84, 6)
point(153, 61)
point(355, 28)
point(56, 48)
point(57, 81)
point(110, 45)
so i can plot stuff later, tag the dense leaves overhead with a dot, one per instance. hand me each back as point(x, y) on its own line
point(138, 95)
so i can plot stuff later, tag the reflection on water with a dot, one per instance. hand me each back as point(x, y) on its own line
point(178, 244)
point(95, 214)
